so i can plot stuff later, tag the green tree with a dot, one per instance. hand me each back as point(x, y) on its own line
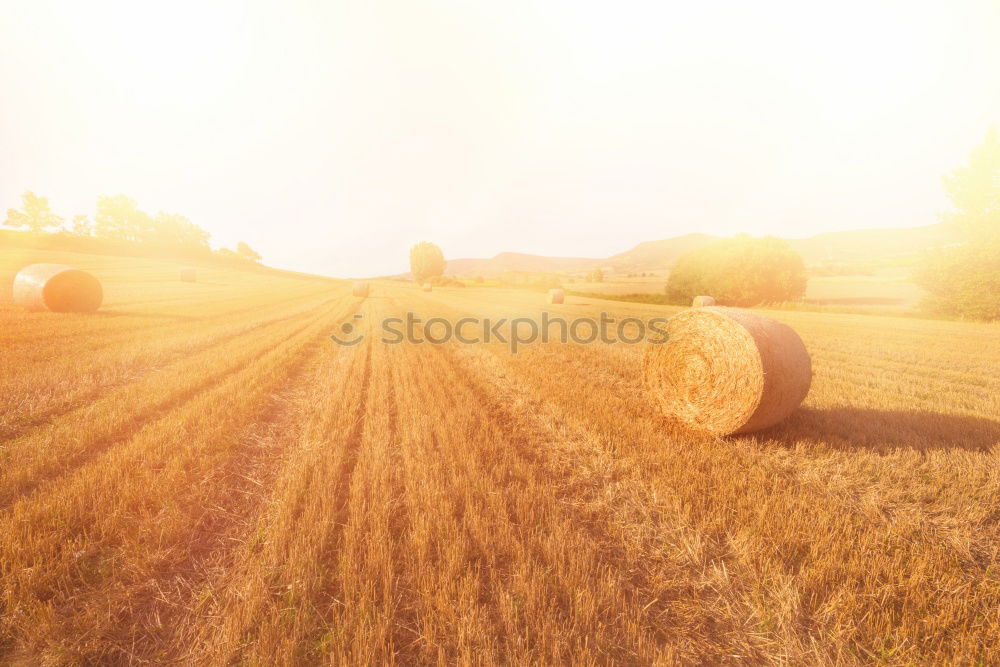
point(36, 216)
point(595, 276)
point(741, 271)
point(246, 252)
point(426, 261)
point(82, 226)
point(119, 217)
point(176, 230)
point(964, 280)
point(974, 189)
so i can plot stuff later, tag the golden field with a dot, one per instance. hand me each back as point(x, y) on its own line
point(197, 474)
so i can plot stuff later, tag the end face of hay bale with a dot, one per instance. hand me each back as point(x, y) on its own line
point(702, 301)
point(57, 288)
point(728, 371)
point(360, 288)
point(427, 287)
point(189, 275)
point(556, 296)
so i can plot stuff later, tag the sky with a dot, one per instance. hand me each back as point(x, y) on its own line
point(332, 136)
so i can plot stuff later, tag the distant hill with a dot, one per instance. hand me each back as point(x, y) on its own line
point(863, 245)
point(872, 244)
point(658, 255)
point(515, 261)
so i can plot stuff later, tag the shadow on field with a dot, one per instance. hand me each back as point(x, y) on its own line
point(883, 430)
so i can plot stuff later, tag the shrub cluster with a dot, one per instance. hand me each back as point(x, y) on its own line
point(741, 271)
point(964, 281)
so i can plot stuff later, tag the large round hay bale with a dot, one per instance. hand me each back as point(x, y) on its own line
point(726, 370)
point(59, 288)
point(360, 288)
point(556, 296)
point(189, 275)
point(427, 287)
point(702, 301)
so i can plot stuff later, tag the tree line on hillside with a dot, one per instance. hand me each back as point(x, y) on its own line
point(119, 218)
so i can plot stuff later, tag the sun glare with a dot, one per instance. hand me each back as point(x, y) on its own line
point(499, 125)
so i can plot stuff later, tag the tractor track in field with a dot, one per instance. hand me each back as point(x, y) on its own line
point(245, 569)
point(152, 609)
point(405, 616)
point(305, 479)
point(352, 444)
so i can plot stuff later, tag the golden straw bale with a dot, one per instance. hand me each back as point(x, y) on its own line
point(59, 288)
point(726, 370)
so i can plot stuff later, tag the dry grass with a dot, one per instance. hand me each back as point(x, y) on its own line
point(197, 475)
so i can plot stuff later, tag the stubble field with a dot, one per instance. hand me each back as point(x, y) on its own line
point(197, 474)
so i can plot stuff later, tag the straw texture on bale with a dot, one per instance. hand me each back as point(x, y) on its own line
point(189, 275)
point(59, 288)
point(702, 301)
point(726, 370)
point(556, 296)
point(360, 288)
point(428, 287)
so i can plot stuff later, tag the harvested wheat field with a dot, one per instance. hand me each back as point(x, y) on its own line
point(198, 474)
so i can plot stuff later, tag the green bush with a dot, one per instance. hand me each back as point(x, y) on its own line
point(741, 271)
point(444, 281)
point(963, 281)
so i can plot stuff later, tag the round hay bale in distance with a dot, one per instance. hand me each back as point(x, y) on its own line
point(556, 296)
point(189, 275)
point(726, 370)
point(58, 288)
point(360, 288)
point(427, 287)
point(702, 301)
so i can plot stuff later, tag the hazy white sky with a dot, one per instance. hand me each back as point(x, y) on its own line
point(331, 136)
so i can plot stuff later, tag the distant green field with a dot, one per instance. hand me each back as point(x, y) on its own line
point(887, 289)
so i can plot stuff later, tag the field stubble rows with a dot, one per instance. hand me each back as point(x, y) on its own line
point(215, 481)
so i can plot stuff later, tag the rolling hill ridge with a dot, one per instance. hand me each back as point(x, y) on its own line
point(863, 245)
